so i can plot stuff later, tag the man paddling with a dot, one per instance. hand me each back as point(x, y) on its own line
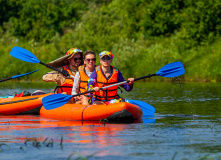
point(68, 64)
point(82, 77)
point(105, 75)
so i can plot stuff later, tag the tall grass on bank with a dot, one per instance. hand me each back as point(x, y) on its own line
point(133, 58)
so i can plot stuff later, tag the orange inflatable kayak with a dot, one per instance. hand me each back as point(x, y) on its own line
point(21, 105)
point(116, 112)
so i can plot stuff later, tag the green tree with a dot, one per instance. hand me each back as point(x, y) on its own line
point(41, 20)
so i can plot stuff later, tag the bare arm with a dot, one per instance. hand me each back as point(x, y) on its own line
point(54, 76)
point(76, 84)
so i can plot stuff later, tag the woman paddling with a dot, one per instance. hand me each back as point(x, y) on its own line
point(82, 77)
point(105, 75)
point(68, 64)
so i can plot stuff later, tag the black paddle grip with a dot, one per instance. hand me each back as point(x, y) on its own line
point(53, 68)
point(5, 79)
point(148, 76)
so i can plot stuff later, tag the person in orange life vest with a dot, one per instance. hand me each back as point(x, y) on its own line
point(104, 75)
point(68, 64)
point(82, 77)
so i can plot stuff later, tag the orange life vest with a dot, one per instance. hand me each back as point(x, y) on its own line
point(83, 79)
point(109, 93)
point(68, 83)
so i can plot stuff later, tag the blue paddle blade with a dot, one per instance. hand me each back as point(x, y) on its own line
point(17, 76)
point(147, 109)
point(171, 70)
point(55, 101)
point(149, 120)
point(23, 54)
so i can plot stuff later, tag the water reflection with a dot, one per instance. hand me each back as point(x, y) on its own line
point(186, 124)
point(12, 126)
point(27, 131)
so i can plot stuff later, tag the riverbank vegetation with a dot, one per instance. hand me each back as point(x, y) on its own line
point(143, 35)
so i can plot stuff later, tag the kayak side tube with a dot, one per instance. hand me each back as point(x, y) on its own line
point(18, 105)
point(117, 112)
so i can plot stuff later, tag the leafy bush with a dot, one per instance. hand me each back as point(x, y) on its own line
point(41, 20)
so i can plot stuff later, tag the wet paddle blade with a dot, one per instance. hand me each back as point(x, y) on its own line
point(21, 75)
point(171, 70)
point(24, 55)
point(55, 101)
point(147, 109)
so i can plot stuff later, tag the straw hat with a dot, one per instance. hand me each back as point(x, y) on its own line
point(64, 60)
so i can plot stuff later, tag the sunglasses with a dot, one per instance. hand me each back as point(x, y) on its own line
point(105, 58)
point(90, 60)
point(75, 59)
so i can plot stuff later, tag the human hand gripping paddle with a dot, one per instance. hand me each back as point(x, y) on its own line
point(25, 55)
point(17, 76)
point(170, 70)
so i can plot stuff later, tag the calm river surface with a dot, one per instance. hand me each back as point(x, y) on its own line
point(186, 125)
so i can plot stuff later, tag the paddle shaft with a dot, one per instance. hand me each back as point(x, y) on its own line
point(148, 76)
point(117, 84)
point(120, 83)
point(17, 76)
point(54, 68)
point(5, 79)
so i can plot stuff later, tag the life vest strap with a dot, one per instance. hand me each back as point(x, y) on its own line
point(63, 87)
point(84, 81)
point(69, 78)
point(97, 68)
point(107, 83)
point(109, 90)
point(106, 96)
point(65, 67)
point(81, 68)
point(60, 87)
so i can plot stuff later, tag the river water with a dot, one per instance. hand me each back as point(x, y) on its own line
point(186, 125)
